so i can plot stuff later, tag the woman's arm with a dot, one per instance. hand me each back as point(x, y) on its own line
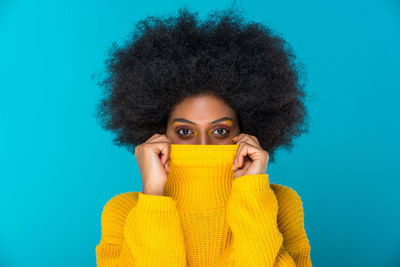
point(112, 222)
point(291, 224)
point(151, 229)
point(252, 214)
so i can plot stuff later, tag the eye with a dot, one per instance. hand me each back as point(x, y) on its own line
point(185, 130)
point(218, 131)
point(222, 130)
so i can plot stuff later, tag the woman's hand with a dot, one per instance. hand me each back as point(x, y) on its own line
point(250, 157)
point(154, 168)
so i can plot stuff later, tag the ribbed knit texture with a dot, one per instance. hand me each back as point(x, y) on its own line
point(205, 218)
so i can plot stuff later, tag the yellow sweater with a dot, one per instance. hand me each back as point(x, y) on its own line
point(205, 218)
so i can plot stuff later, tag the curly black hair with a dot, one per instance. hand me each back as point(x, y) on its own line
point(169, 58)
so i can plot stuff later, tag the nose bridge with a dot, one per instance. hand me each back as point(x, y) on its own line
point(203, 138)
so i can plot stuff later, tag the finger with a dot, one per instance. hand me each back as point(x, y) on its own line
point(249, 139)
point(164, 138)
point(243, 154)
point(167, 166)
point(243, 138)
point(163, 159)
point(254, 139)
point(240, 156)
point(250, 151)
point(238, 137)
point(159, 138)
point(237, 156)
point(154, 136)
point(162, 148)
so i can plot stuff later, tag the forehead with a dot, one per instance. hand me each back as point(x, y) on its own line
point(202, 108)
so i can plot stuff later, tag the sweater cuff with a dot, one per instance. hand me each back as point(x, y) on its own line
point(251, 182)
point(156, 203)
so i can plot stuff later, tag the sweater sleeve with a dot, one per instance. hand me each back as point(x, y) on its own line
point(112, 222)
point(252, 215)
point(151, 230)
point(291, 224)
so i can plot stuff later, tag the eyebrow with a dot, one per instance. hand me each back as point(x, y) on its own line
point(184, 120)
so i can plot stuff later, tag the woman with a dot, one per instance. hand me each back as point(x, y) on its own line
point(203, 106)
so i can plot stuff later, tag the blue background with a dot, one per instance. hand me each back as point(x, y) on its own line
point(58, 168)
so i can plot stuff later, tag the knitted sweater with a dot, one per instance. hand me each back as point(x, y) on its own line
point(205, 218)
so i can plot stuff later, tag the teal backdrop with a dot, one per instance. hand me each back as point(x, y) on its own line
point(58, 168)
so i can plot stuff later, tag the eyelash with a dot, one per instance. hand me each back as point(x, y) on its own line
point(227, 131)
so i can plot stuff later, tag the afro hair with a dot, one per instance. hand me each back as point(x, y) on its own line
point(169, 58)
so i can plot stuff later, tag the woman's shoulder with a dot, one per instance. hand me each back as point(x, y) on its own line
point(290, 217)
point(117, 208)
point(122, 201)
point(289, 202)
point(114, 214)
point(290, 205)
point(284, 192)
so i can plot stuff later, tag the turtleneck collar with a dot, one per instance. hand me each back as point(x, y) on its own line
point(200, 176)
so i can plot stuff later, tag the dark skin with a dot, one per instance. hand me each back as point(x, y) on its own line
point(201, 120)
point(216, 124)
point(186, 125)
